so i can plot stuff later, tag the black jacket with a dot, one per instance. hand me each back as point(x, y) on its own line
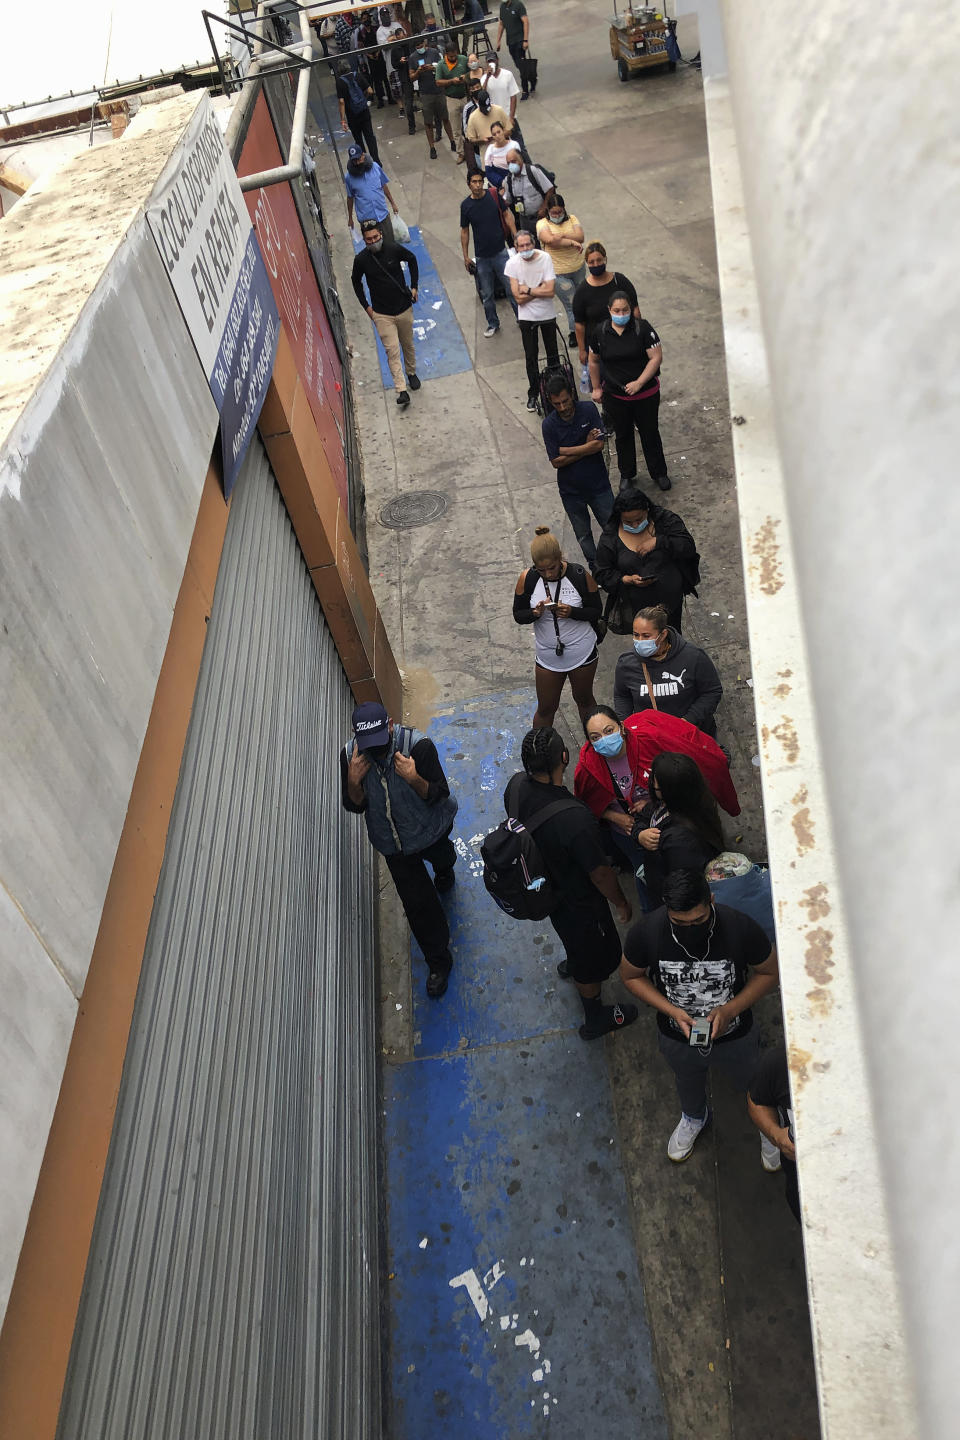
point(383, 273)
point(685, 683)
point(675, 547)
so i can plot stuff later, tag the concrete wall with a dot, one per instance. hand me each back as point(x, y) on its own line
point(833, 152)
point(106, 429)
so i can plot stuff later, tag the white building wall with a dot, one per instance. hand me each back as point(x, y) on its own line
point(837, 189)
point(106, 431)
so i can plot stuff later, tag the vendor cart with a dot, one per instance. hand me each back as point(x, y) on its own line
point(640, 40)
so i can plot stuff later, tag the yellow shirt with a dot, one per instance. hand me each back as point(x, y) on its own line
point(566, 259)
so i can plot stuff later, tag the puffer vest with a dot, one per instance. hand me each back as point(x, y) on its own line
point(398, 821)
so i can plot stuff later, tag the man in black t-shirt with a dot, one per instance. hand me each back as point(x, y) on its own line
point(481, 212)
point(572, 850)
point(690, 961)
point(391, 302)
point(770, 1107)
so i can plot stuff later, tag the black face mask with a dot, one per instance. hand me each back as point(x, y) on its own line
point(694, 937)
point(597, 269)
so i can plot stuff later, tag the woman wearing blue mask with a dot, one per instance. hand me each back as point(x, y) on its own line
point(646, 556)
point(630, 354)
point(683, 678)
point(611, 778)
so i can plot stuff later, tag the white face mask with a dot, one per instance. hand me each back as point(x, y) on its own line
point(526, 254)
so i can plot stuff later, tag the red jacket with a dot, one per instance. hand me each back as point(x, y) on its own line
point(649, 734)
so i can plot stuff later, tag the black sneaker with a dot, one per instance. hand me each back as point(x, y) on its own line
point(413, 381)
point(614, 1017)
point(531, 402)
point(444, 880)
point(572, 338)
point(403, 399)
point(565, 969)
point(437, 982)
point(433, 152)
point(664, 482)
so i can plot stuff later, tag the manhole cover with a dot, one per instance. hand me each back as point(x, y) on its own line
point(419, 508)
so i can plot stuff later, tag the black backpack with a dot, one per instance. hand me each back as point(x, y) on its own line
point(514, 871)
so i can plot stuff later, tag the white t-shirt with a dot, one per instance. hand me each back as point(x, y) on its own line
point(534, 272)
point(578, 636)
point(496, 155)
point(387, 39)
point(501, 87)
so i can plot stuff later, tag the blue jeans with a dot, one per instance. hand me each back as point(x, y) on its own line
point(578, 508)
point(635, 854)
point(564, 286)
point(489, 269)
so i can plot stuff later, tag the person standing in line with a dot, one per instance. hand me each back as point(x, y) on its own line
point(355, 109)
point(592, 297)
point(531, 277)
point(573, 853)
point(478, 129)
point(528, 191)
point(770, 1107)
point(679, 826)
point(647, 556)
point(561, 236)
point(515, 23)
point(392, 776)
point(343, 39)
point(495, 160)
point(391, 303)
point(368, 192)
point(483, 213)
point(563, 619)
point(372, 62)
point(630, 354)
point(501, 85)
point(573, 438)
point(684, 678)
point(697, 961)
point(433, 106)
point(611, 779)
point(451, 75)
point(400, 57)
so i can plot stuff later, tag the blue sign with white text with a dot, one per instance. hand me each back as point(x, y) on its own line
point(244, 363)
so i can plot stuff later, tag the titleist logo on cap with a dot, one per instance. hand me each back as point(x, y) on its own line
point(363, 725)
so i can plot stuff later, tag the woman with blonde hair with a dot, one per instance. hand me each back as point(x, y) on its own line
point(561, 601)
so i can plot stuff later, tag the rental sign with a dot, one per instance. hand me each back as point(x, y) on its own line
point(199, 221)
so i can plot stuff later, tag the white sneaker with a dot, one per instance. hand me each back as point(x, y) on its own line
point(684, 1138)
point(769, 1155)
point(490, 330)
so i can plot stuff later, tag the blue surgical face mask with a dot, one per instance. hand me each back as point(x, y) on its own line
point(609, 745)
point(645, 648)
point(513, 167)
point(636, 529)
point(620, 319)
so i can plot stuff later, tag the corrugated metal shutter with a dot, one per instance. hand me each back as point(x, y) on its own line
point(233, 1284)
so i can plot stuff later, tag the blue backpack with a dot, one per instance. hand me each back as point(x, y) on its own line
point(356, 100)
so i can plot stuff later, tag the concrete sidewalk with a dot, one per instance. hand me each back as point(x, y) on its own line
point(718, 1255)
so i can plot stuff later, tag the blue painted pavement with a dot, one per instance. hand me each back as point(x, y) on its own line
point(441, 348)
point(516, 1305)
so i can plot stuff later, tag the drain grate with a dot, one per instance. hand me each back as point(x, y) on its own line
point(418, 508)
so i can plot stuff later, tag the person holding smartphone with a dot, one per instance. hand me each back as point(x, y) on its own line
point(646, 556)
point(561, 601)
point(695, 960)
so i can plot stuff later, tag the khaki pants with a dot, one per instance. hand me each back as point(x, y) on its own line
point(396, 332)
point(456, 120)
